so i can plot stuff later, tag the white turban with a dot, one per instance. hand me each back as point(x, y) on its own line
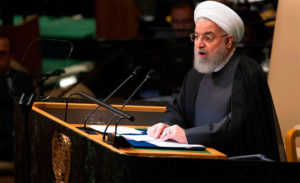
point(223, 16)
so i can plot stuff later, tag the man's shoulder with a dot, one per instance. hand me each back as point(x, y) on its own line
point(249, 72)
point(248, 65)
point(192, 77)
point(193, 72)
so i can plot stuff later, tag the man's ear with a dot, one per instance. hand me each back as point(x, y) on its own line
point(229, 41)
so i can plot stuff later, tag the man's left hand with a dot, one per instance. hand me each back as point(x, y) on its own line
point(174, 132)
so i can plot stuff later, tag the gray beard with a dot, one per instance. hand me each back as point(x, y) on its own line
point(208, 65)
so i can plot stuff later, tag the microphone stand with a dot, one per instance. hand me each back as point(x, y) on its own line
point(67, 102)
point(108, 107)
point(117, 140)
point(134, 73)
point(114, 139)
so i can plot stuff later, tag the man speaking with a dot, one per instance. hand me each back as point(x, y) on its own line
point(224, 102)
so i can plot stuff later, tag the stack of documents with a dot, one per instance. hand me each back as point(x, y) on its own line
point(120, 130)
point(139, 138)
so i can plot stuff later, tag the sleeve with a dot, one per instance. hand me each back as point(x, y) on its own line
point(210, 134)
point(174, 113)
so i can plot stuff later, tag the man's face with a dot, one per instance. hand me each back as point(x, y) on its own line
point(182, 18)
point(5, 55)
point(211, 46)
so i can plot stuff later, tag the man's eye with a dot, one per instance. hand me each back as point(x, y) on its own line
point(208, 38)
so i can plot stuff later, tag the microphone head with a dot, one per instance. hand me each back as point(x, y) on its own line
point(150, 72)
point(131, 118)
point(137, 70)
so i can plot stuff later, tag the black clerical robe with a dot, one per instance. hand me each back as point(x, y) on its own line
point(246, 121)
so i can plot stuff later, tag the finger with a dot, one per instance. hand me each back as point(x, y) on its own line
point(158, 131)
point(167, 137)
point(150, 131)
point(165, 133)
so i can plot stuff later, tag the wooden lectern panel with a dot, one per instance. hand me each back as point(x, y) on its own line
point(48, 149)
point(152, 110)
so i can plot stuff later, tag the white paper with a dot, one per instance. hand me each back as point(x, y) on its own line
point(139, 137)
point(120, 129)
point(158, 142)
point(173, 144)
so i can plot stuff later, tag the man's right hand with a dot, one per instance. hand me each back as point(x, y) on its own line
point(156, 130)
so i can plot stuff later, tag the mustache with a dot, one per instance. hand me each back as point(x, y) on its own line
point(200, 50)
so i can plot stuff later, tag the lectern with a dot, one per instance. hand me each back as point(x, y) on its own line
point(49, 149)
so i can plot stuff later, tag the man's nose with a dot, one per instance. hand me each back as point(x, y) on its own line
point(199, 43)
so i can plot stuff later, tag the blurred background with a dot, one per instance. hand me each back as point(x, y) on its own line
point(66, 46)
point(93, 45)
point(58, 47)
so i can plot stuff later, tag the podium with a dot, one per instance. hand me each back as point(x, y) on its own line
point(49, 149)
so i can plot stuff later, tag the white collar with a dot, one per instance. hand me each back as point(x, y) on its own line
point(224, 63)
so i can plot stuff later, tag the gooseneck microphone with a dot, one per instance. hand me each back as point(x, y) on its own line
point(67, 102)
point(44, 77)
point(148, 76)
point(108, 107)
point(114, 110)
point(135, 72)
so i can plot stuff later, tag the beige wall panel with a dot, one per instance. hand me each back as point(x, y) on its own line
point(284, 75)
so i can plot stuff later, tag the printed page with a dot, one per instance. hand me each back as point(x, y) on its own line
point(160, 143)
point(120, 129)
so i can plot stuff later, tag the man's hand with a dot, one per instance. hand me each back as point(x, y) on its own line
point(174, 132)
point(156, 130)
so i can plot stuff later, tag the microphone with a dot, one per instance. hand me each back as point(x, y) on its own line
point(135, 72)
point(44, 77)
point(114, 140)
point(108, 107)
